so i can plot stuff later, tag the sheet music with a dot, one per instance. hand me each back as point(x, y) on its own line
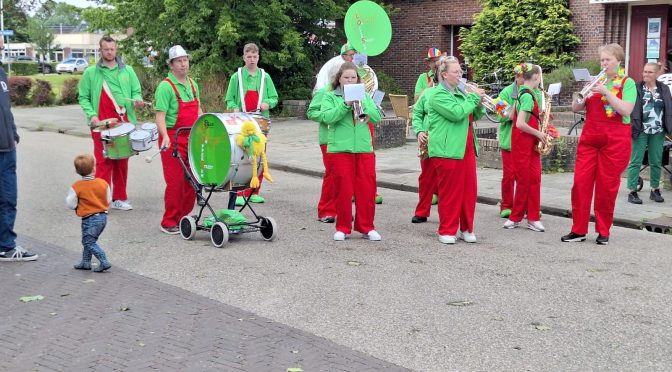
point(360, 59)
point(354, 92)
point(378, 96)
point(581, 74)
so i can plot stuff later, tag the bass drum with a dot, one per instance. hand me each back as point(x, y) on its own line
point(214, 157)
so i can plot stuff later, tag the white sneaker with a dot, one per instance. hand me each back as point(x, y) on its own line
point(447, 239)
point(510, 224)
point(373, 235)
point(339, 236)
point(535, 226)
point(467, 236)
point(123, 205)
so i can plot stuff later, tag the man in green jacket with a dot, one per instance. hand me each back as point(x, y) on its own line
point(110, 90)
point(251, 89)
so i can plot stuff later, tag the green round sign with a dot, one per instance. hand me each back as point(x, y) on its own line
point(209, 150)
point(368, 28)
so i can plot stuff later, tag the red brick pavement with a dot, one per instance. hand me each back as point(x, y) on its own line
point(124, 321)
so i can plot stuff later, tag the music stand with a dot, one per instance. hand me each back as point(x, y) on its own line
point(581, 74)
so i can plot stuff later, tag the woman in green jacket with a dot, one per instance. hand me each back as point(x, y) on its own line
point(350, 149)
point(453, 148)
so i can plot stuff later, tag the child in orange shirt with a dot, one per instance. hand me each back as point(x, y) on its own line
point(90, 197)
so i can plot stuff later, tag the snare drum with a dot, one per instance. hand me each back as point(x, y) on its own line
point(214, 156)
point(117, 142)
point(141, 140)
point(264, 123)
point(152, 129)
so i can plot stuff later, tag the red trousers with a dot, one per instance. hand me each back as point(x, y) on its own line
point(426, 188)
point(113, 171)
point(527, 174)
point(327, 204)
point(354, 174)
point(180, 196)
point(602, 156)
point(508, 181)
point(457, 186)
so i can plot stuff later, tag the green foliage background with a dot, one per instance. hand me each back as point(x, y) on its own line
point(507, 33)
point(292, 34)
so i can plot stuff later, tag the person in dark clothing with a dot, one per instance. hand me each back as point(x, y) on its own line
point(9, 138)
point(651, 119)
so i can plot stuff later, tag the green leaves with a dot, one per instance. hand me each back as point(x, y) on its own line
point(507, 33)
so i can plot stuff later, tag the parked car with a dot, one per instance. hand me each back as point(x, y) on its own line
point(72, 65)
point(44, 67)
point(24, 58)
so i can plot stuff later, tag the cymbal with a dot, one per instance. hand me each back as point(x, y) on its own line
point(106, 124)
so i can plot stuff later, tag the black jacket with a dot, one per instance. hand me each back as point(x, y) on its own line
point(8, 135)
point(636, 116)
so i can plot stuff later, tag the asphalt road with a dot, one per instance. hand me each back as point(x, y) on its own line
point(516, 300)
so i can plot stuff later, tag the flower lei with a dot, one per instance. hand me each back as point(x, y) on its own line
point(615, 88)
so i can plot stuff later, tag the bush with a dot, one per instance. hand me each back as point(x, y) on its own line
point(24, 68)
point(69, 91)
point(42, 94)
point(19, 87)
point(387, 84)
point(213, 88)
point(148, 82)
point(564, 74)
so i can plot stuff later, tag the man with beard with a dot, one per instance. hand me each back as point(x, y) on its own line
point(110, 90)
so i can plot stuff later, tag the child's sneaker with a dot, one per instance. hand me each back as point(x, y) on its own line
point(102, 267)
point(83, 266)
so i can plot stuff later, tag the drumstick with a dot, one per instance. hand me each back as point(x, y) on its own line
point(149, 159)
point(145, 102)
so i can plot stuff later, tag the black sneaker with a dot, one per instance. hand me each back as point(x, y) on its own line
point(327, 219)
point(418, 219)
point(573, 237)
point(17, 254)
point(602, 240)
point(655, 196)
point(634, 198)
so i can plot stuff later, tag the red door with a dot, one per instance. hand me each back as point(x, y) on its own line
point(639, 40)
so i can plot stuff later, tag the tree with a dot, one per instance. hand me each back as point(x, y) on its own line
point(16, 18)
point(292, 34)
point(506, 33)
point(42, 37)
point(55, 14)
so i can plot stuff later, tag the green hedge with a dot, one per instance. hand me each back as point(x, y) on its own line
point(23, 68)
point(565, 75)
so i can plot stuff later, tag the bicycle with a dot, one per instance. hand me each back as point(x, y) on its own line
point(493, 89)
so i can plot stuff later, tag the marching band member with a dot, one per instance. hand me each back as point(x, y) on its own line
point(604, 147)
point(110, 89)
point(651, 118)
point(326, 207)
point(177, 106)
point(351, 150)
point(452, 148)
point(509, 94)
point(427, 180)
point(251, 89)
point(427, 79)
point(526, 160)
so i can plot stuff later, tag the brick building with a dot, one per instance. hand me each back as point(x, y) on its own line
point(640, 26)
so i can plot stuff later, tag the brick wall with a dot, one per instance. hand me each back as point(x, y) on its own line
point(422, 24)
point(419, 25)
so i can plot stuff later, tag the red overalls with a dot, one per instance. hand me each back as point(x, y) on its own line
point(508, 180)
point(326, 207)
point(251, 99)
point(113, 171)
point(526, 169)
point(457, 187)
point(601, 157)
point(179, 196)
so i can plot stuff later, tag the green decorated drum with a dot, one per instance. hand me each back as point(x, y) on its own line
point(214, 157)
point(117, 141)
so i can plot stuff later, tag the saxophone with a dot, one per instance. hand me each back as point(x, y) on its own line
point(543, 126)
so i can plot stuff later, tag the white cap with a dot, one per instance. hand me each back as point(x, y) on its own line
point(176, 51)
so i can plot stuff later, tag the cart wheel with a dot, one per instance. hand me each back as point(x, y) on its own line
point(640, 184)
point(219, 234)
point(187, 227)
point(269, 228)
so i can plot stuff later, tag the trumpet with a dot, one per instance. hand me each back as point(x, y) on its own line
point(586, 92)
point(496, 105)
point(358, 112)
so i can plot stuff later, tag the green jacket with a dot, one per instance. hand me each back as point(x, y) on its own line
point(422, 82)
point(314, 113)
point(420, 112)
point(251, 82)
point(505, 125)
point(344, 135)
point(123, 83)
point(449, 122)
